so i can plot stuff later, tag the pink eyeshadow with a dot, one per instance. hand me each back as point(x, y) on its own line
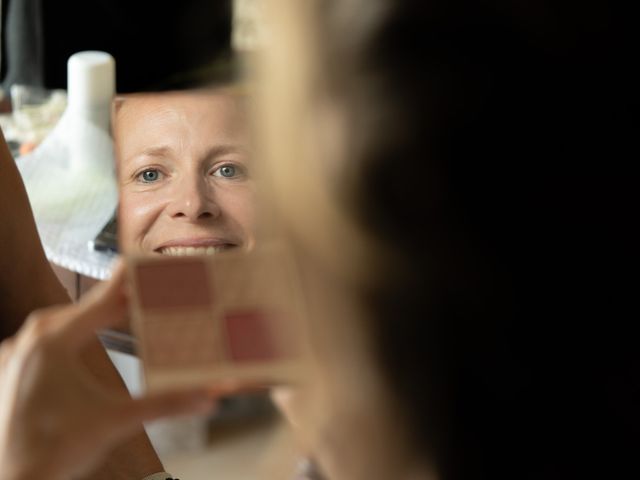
point(170, 284)
point(250, 336)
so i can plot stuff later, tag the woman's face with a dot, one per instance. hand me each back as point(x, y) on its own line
point(185, 184)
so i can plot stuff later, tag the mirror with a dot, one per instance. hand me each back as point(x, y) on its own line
point(187, 190)
point(184, 177)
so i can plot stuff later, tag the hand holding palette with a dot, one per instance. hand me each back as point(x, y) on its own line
point(207, 320)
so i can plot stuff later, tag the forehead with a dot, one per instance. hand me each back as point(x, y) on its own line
point(132, 109)
point(144, 118)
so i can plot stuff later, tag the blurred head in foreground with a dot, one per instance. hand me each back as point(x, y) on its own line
point(432, 164)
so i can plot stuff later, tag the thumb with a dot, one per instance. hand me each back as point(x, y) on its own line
point(103, 306)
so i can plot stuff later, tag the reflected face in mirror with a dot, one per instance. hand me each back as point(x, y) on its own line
point(184, 173)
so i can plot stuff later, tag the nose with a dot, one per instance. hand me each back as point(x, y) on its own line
point(193, 201)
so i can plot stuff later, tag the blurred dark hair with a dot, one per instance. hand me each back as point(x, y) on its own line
point(488, 141)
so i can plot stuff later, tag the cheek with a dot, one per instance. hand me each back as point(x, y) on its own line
point(238, 204)
point(137, 216)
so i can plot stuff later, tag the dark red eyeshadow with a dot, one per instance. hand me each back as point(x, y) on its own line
point(251, 336)
point(172, 284)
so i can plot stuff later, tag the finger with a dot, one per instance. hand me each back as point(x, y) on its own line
point(104, 306)
point(286, 399)
point(221, 389)
point(6, 349)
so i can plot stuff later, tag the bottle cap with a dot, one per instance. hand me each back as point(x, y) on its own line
point(91, 80)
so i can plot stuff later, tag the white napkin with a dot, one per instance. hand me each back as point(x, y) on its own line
point(71, 182)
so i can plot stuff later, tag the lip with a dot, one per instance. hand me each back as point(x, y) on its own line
point(197, 242)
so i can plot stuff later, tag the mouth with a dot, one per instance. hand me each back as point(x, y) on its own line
point(194, 247)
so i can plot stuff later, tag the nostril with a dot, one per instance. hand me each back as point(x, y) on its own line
point(197, 209)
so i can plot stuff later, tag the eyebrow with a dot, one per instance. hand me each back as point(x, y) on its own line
point(219, 150)
point(213, 152)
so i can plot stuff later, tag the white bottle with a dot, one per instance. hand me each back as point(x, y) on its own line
point(91, 82)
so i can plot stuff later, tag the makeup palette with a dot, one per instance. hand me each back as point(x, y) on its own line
point(234, 316)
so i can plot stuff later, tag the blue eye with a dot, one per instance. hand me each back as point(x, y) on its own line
point(149, 176)
point(227, 171)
